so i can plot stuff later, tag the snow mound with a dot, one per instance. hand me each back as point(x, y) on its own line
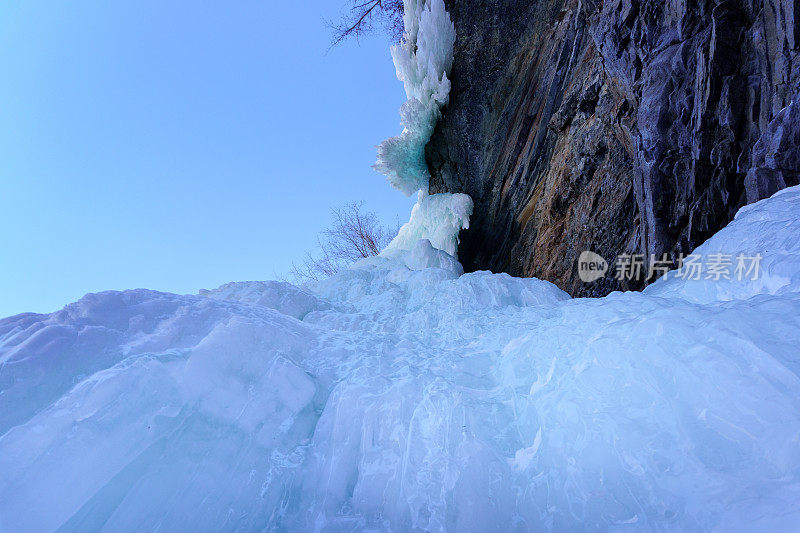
point(422, 60)
point(769, 233)
point(278, 295)
point(404, 395)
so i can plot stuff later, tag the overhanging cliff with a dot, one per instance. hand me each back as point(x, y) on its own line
point(622, 126)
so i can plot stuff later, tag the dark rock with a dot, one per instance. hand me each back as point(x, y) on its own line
point(618, 126)
point(776, 155)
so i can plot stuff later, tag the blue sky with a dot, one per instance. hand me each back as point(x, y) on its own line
point(179, 145)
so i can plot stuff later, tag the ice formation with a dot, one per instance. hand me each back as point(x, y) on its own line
point(422, 60)
point(437, 218)
point(404, 395)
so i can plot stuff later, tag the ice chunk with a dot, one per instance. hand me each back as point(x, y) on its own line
point(424, 255)
point(438, 218)
point(138, 397)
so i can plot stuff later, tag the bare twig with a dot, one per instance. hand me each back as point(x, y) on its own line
point(354, 235)
point(362, 16)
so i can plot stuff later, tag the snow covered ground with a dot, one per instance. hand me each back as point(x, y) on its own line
point(404, 395)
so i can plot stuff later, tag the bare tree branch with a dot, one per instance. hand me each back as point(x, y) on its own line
point(354, 235)
point(362, 16)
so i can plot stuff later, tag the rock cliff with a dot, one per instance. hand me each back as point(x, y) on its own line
point(618, 126)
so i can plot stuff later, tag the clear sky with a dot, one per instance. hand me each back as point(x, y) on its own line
point(178, 145)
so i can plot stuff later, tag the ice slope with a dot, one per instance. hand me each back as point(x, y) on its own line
point(404, 395)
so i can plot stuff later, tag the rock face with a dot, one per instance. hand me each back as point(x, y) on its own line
point(618, 126)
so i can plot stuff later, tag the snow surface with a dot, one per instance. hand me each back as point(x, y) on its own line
point(422, 60)
point(404, 395)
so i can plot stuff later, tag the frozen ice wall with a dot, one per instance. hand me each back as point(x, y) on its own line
point(423, 60)
point(404, 395)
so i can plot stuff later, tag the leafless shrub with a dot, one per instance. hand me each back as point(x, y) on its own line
point(354, 234)
point(363, 16)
